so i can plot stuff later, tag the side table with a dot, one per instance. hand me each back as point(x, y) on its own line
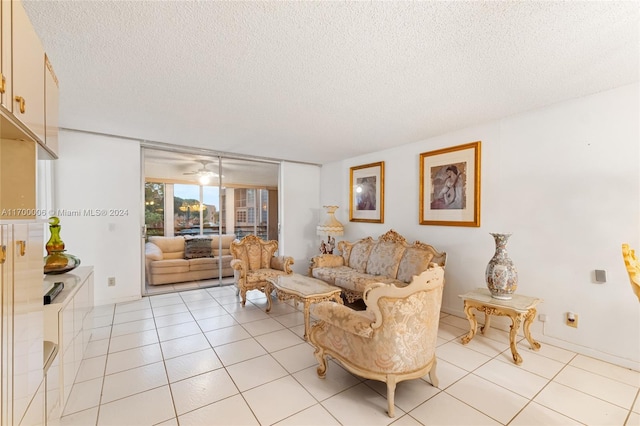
point(518, 308)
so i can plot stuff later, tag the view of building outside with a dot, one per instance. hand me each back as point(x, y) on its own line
point(189, 202)
point(196, 210)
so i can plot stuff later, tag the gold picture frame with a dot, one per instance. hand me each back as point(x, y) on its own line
point(366, 198)
point(450, 186)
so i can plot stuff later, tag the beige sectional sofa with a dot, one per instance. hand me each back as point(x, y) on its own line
point(389, 259)
point(179, 259)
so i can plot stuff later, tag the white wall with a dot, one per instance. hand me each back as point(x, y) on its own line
point(565, 180)
point(102, 173)
point(299, 213)
point(98, 172)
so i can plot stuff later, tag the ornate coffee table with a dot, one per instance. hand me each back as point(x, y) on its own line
point(302, 289)
point(519, 308)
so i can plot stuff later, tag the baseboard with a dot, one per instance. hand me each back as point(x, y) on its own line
point(563, 344)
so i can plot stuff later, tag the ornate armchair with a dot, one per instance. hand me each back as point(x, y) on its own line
point(394, 339)
point(254, 262)
point(633, 268)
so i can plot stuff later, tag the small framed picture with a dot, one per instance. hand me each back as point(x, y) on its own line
point(450, 186)
point(366, 203)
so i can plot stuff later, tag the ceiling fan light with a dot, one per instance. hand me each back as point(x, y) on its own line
point(204, 179)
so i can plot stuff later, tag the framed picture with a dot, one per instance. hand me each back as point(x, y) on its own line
point(450, 186)
point(366, 201)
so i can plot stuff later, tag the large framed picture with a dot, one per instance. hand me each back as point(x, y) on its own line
point(450, 186)
point(366, 201)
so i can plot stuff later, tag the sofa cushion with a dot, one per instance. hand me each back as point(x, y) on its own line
point(262, 275)
point(195, 248)
point(358, 281)
point(415, 260)
point(152, 252)
point(172, 247)
point(169, 266)
point(329, 274)
point(360, 255)
point(226, 243)
point(203, 264)
point(385, 259)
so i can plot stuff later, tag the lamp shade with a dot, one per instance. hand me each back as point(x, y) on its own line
point(330, 225)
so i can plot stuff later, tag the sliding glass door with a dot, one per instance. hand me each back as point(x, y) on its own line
point(191, 196)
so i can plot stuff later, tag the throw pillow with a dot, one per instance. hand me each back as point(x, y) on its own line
point(195, 248)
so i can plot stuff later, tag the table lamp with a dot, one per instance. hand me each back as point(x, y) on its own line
point(329, 227)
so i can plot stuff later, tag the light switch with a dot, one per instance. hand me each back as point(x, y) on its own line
point(601, 276)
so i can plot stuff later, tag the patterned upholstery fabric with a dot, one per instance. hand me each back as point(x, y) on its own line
point(358, 282)
point(414, 260)
point(254, 261)
point(329, 274)
point(360, 255)
point(389, 259)
point(385, 258)
point(394, 339)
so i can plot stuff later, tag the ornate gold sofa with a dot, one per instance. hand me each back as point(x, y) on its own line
point(389, 259)
point(177, 259)
point(394, 339)
point(254, 261)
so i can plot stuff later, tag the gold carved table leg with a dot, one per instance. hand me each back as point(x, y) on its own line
point(307, 307)
point(516, 320)
point(528, 319)
point(473, 324)
point(268, 289)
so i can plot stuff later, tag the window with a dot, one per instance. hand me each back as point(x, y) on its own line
point(154, 208)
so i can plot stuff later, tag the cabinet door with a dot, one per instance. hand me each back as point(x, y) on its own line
point(28, 327)
point(17, 179)
point(6, 99)
point(5, 322)
point(28, 73)
point(51, 107)
point(66, 353)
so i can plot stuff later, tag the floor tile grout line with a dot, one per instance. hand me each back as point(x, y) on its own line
point(166, 372)
point(291, 374)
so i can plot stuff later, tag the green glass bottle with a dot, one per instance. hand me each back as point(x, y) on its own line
point(55, 243)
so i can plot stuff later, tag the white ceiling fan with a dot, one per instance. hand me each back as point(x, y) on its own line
point(204, 174)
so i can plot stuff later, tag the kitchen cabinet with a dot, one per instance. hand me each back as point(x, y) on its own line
point(18, 160)
point(28, 73)
point(6, 99)
point(22, 328)
point(68, 324)
point(29, 94)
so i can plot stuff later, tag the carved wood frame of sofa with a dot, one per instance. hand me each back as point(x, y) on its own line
point(393, 340)
point(254, 261)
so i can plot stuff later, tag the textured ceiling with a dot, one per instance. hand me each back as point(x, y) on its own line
point(320, 81)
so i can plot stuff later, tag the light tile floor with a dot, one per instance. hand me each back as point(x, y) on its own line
point(198, 358)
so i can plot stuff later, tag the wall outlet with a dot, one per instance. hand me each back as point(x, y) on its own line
point(111, 281)
point(572, 320)
point(542, 317)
